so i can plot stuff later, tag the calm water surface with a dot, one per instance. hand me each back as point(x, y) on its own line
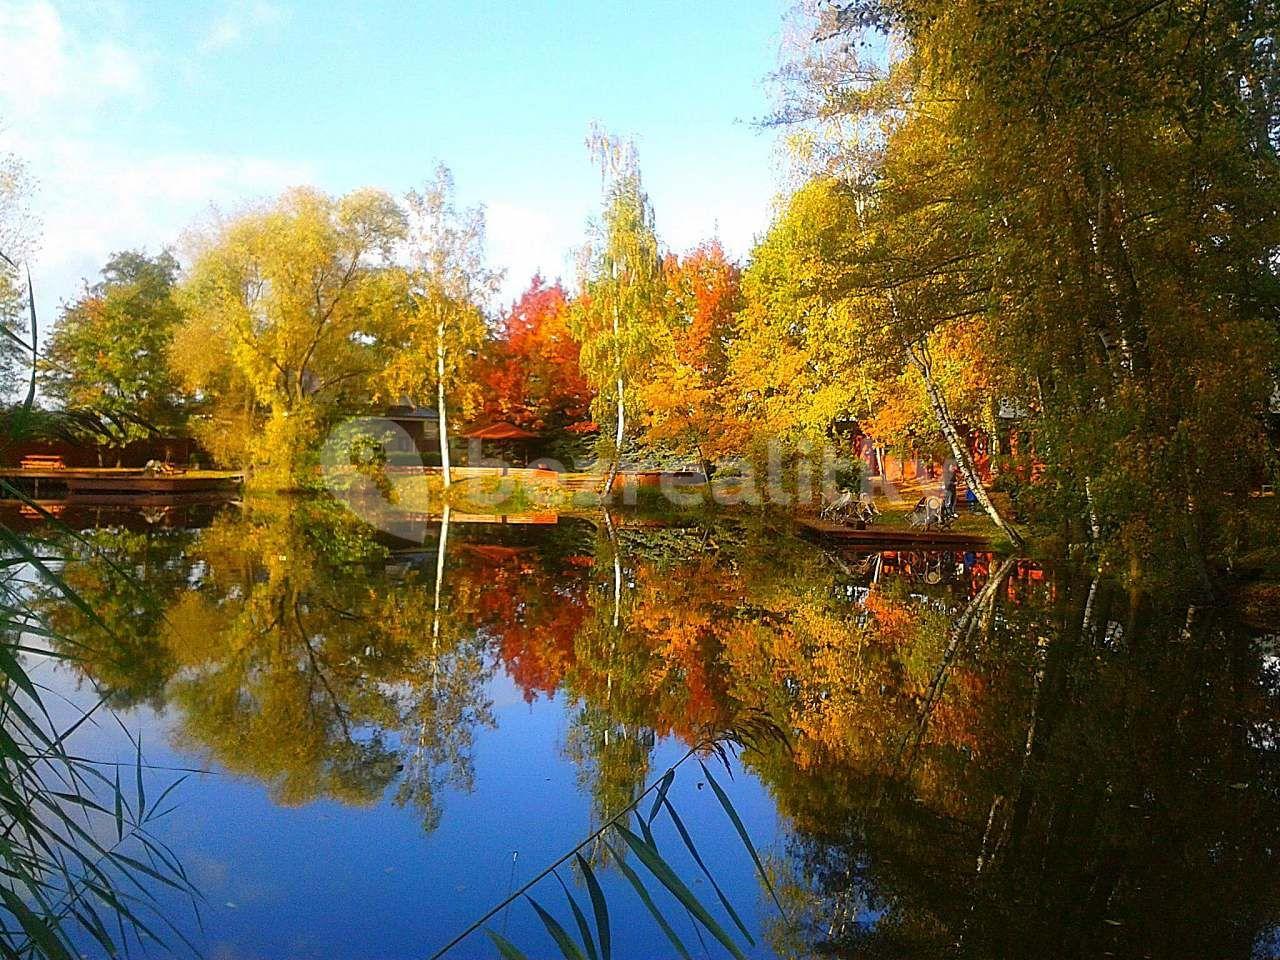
point(984, 758)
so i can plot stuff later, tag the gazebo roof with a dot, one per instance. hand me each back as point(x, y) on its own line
point(500, 431)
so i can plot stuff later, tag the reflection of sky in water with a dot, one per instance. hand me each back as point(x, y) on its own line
point(325, 880)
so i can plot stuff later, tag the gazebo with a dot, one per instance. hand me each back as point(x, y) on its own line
point(505, 439)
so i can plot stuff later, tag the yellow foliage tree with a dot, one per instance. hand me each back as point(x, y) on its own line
point(288, 312)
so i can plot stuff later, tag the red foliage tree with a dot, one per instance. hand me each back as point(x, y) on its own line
point(530, 373)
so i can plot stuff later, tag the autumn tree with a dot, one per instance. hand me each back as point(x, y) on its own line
point(288, 313)
point(449, 284)
point(683, 402)
point(793, 364)
point(1095, 183)
point(530, 368)
point(620, 303)
point(109, 354)
point(917, 277)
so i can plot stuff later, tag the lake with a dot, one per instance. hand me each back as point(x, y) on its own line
point(934, 753)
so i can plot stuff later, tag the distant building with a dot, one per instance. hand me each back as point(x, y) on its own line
point(419, 432)
point(503, 441)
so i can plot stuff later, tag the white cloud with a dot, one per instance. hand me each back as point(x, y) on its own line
point(96, 199)
point(98, 193)
point(44, 68)
point(241, 19)
point(523, 241)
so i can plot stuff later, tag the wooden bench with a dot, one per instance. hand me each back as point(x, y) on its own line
point(43, 461)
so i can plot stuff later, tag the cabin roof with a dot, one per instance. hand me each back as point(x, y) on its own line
point(408, 412)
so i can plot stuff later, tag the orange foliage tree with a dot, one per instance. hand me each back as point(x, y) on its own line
point(684, 407)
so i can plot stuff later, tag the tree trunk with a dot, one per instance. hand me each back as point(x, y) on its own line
point(617, 443)
point(1095, 527)
point(622, 421)
point(919, 354)
point(622, 414)
point(706, 474)
point(440, 407)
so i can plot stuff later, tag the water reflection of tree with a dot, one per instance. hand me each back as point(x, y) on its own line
point(1110, 790)
point(287, 650)
point(1012, 765)
point(608, 739)
point(326, 677)
point(1007, 765)
point(117, 634)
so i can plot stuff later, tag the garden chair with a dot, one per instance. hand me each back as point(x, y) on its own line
point(837, 508)
point(865, 509)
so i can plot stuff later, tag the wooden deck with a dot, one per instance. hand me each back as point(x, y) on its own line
point(122, 483)
point(885, 537)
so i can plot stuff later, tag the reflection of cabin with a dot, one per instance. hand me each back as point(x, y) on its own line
point(418, 438)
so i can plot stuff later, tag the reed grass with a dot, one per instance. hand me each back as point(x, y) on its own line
point(617, 836)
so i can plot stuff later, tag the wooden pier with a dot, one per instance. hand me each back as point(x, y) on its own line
point(120, 485)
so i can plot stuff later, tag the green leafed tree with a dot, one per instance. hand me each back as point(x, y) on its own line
point(109, 354)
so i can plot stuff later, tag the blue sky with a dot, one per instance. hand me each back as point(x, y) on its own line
point(137, 117)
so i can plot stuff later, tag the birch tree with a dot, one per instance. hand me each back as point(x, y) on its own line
point(449, 284)
point(621, 299)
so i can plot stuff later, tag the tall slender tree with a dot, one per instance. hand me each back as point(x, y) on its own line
point(619, 305)
point(449, 286)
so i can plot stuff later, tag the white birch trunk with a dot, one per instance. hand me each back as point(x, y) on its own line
point(621, 431)
point(440, 406)
point(959, 449)
point(1095, 528)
